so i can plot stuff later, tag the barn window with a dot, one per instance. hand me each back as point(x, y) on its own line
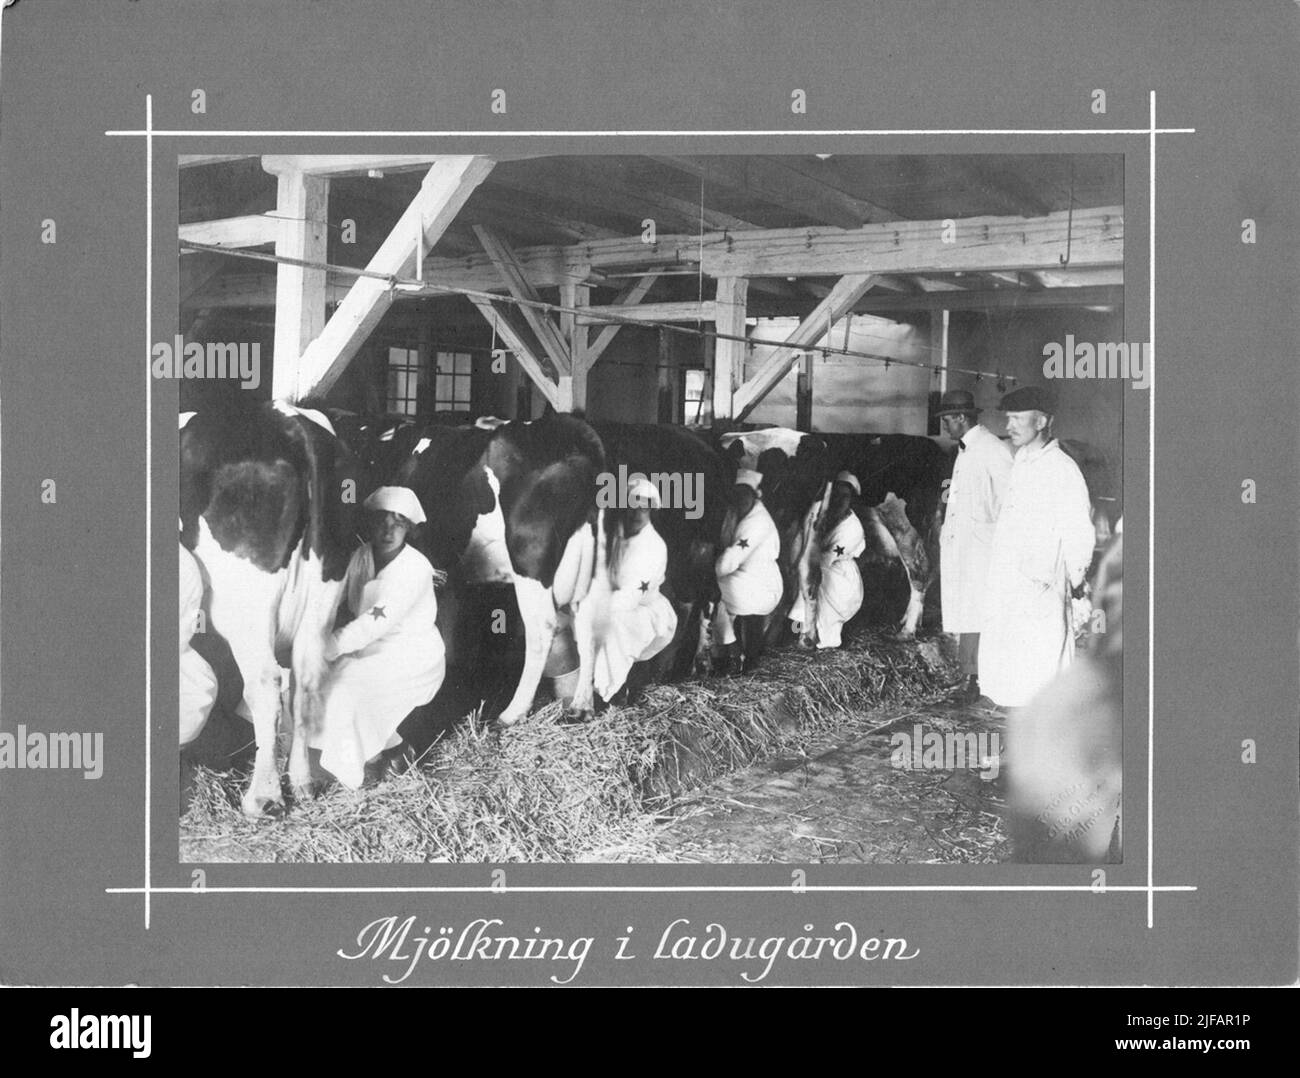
point(696, 405)
point(403, 380)
point(452, 378)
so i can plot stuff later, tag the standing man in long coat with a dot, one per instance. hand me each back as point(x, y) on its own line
point(974, 499)
point(1042, 547)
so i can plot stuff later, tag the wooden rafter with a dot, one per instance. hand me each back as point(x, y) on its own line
point(630, 296)
point(507, 267)
point(503, 326)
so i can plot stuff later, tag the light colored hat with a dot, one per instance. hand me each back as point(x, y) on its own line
point(851, 480)
point(396, 500)
point(747, 478)
point(645, 493)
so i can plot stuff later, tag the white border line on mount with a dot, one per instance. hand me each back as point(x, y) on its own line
point(787, 889)
point(148, 516)
point(773, 133)
point(1151, 515)
point(1150, 888)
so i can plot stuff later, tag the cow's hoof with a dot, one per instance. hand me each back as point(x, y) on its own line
point(306, 791)
point(575, 717)
point(504, 721)
point(262, 808)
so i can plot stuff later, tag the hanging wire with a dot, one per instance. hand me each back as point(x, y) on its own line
point(410, 286)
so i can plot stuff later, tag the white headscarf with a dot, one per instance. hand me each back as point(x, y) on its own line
point(396, 500)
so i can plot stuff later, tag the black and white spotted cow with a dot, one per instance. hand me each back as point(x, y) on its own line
point(268, 502)
point(516, 503)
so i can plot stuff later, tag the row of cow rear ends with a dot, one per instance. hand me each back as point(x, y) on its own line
point(270, 503)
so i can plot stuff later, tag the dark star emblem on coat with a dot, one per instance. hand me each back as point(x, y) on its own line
point(645, 586)
point(377, 613)
point(743, 543)
point(839, 550)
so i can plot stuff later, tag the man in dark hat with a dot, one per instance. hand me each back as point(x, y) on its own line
point(972, 503)
point(1042, 546)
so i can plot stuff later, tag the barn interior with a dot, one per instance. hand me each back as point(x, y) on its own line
point(828, 293)
point(822, 292)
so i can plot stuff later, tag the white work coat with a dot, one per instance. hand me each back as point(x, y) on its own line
point(839, 591)
point(979, 480)
point(198, 681)
point(641, 620)
point(385, 663)
point(747, 571)
point(1042, 547)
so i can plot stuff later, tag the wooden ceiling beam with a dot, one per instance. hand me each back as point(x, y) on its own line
point(906, 248)
point(253, 230)
point(994, 299)
point(347, 164)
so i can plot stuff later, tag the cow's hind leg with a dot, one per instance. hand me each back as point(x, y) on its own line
point(243, 611)
point(537, 611)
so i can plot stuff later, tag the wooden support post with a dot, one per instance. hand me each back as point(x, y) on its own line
point(445, 189)
point(573, 386)
point(804, 393)
point(939, 346)
point(302, 204)
point(666, 380)
point(729, 355)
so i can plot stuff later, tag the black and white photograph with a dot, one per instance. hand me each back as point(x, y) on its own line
point(700, 508)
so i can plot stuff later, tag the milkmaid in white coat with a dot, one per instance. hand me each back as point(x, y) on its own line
point(641, 621)
point(840, 542)
point(389, 659)
point(973, 501)
point(749, 577)
point(1042, 547)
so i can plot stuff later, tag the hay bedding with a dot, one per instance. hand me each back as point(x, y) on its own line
point(547, 791)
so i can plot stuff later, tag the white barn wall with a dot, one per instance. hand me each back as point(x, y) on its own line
point(851, 395)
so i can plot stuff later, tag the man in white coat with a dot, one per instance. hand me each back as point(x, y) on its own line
point(837, 544)
point(641, 621)
point(1042, 547)
point(973, 500)
point(749, 577)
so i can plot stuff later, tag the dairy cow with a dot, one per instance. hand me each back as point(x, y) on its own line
point(516, 503)
point(268, 500)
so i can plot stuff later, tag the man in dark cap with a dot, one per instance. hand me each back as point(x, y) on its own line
point(972, 503)
point(1041, 550)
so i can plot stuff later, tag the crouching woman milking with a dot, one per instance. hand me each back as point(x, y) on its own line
point(388, 659)
point(749, 577)
point(641, 620)
point(837, 544)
